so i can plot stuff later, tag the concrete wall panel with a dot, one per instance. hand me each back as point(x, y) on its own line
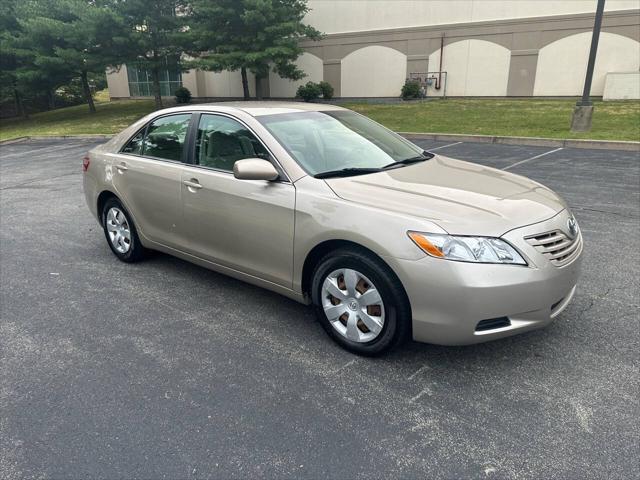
point(522, 73)
point(474, 68)
point(226, 84)
point(284, 88)
point(118, 82)
point(622, 86)
point(373, 71)
point(190, 81)
point(332, 73)
point(562, 64)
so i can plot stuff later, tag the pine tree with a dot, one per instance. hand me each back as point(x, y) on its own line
point(64, 39)
point(10, 61)
point(250, 35)
point(158, 36)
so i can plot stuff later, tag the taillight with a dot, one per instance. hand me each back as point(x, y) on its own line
point(85, 163)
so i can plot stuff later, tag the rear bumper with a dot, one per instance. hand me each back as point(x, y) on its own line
point(448, 299)
point(90, 188)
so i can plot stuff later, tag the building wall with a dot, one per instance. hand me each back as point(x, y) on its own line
point(284, 88)
point(543, 56)
point(474, 68)
point(622, 86)
point(366, 15)
point(200, 84)
point(562, 67)
point(118, 83)
point(225, 84)
point(373, 71)
point(490, 48)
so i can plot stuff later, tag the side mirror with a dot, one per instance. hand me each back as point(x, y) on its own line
point(255, 169)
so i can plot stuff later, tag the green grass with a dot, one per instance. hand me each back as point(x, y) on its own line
point(102, 96)
point(619, 120)
point(527, 118)
point(111, 117)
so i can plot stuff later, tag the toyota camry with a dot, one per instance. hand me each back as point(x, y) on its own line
point(386, 241)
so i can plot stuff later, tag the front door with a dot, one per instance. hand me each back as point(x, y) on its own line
point(241, 224)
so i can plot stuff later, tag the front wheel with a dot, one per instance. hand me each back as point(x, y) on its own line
point(360, 303)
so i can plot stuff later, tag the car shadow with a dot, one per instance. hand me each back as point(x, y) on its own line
point(299, 321)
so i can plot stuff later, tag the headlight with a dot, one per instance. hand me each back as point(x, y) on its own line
point(467, 249)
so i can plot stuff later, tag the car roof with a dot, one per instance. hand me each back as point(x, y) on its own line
point(258, 108)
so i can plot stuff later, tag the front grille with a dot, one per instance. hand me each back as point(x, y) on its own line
point(559, 249)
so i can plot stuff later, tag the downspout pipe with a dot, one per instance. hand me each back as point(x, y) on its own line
point(439, 82)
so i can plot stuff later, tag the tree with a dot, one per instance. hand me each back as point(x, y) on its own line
point(9, 58)
point(250, 35)
point(64, 39)
point(157, 35)
point(89, 41)
point(27, 52)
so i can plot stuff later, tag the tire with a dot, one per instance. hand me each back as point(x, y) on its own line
point(128, 248)
point(393, 311)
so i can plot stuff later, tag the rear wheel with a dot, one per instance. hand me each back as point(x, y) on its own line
point(360, 302)
point(120, 232)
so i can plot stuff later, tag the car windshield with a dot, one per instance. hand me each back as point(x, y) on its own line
point(345, 141)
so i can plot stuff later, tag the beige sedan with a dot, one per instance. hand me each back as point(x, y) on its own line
point(329, 208)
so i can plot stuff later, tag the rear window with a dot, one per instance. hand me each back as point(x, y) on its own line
point(163, 138)
point(135, 144)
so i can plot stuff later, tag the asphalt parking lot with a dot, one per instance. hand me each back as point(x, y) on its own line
point(165, 370)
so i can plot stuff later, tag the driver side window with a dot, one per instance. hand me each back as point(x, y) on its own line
point(222, 141)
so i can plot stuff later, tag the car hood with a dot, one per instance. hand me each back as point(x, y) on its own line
point(461, 197)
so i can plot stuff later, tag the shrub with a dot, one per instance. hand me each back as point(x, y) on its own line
point(183, 95)
point(411, 89)
point(312, 91)
point(309, 92)
point(327, 90)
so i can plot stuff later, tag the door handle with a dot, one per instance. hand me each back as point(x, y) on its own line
point(122, 167)
point(193, 183)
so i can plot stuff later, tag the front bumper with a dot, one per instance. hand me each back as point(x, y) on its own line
point(448, 299)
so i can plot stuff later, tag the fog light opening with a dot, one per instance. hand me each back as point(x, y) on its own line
point(493, 324)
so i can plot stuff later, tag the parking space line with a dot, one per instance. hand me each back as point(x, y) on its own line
point(417, 372)
point(424, 391)
point(346, 365)
point(444, 146)
point(532, 158)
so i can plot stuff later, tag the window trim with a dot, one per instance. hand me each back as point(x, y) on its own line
point(145, 128)
point(283, 175)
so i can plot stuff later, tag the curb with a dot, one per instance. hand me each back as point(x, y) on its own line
point(56, 137)
point(528, 141)
point(14, 140)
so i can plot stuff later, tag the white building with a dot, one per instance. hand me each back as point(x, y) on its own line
point(456, 47)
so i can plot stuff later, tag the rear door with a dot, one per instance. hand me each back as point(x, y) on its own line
point(241, 224)
point(147, 175)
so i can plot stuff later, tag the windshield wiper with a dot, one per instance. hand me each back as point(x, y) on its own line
point(346, 172)
point(408, 161)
